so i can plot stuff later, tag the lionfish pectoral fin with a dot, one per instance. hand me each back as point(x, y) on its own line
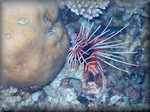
point(93, 70)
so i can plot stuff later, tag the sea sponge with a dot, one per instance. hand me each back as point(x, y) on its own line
point(34, 43)
point(87, 8)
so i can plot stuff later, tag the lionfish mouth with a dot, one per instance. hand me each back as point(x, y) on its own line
point(90, 50)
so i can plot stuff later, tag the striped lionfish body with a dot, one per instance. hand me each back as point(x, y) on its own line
point(90, 50)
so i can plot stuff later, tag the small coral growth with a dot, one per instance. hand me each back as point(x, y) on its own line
point(87, 8)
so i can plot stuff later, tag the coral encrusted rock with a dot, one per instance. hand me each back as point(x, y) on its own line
point(34, 43)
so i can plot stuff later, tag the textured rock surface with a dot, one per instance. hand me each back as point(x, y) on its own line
point(34, 43)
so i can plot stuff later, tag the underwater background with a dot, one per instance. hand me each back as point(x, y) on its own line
point(97, 74)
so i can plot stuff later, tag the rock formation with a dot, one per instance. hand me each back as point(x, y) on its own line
point(34, 43)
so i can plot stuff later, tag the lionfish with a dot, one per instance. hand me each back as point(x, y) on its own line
point(90, 50)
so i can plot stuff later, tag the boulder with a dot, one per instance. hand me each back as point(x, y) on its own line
point(34, 43)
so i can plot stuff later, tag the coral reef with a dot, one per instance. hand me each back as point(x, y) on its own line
point(116, 90)
point(34, 43)
point(87, 8)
